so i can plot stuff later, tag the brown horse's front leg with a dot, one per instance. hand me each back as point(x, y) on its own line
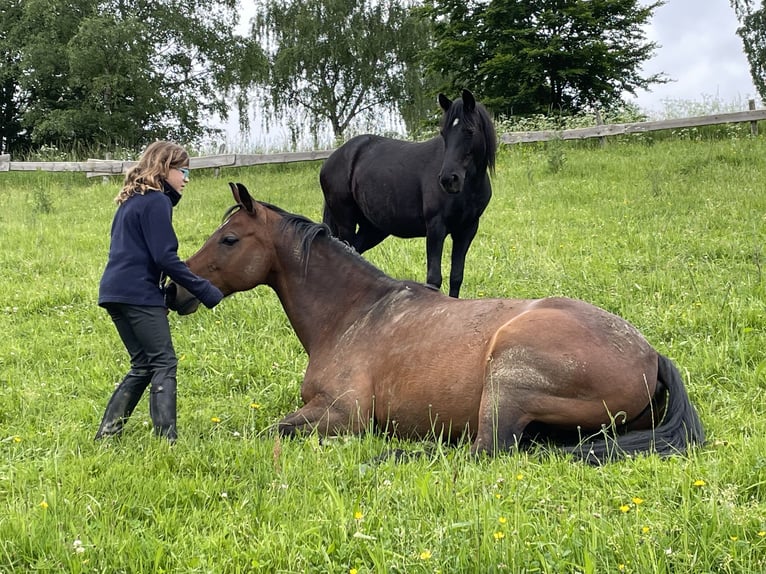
point(327, 420)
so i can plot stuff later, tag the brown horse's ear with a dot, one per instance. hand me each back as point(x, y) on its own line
point(444, 102)
point(242, 196)
point(469, 102)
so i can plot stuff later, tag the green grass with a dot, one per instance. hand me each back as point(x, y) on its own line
point(666, 233)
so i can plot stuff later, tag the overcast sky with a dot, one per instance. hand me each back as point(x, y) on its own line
point(700, 51)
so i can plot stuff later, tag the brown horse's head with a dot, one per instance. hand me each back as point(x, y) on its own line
point(235, 258)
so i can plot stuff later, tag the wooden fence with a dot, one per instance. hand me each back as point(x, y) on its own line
point(105, 167)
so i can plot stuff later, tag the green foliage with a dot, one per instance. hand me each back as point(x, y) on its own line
point(12, 135)
point(339, 60)
point(119, 72)
point(668, 235)
point(752, 30)
point(543, 56)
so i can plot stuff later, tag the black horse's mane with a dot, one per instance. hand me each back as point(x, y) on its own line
point(487, 127)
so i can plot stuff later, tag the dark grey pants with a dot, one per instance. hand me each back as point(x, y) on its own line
point(145, 332)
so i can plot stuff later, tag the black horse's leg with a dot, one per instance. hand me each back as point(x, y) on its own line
point(435, 235)
point(460, 243)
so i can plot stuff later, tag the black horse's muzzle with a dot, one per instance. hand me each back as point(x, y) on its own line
point(451, 183)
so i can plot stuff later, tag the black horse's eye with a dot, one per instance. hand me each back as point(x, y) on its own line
point(229, 240)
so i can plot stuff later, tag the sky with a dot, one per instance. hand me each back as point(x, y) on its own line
point(701, 52)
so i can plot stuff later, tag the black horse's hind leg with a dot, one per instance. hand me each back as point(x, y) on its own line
point(460, 243)
point(341, 218)
point(122, 402)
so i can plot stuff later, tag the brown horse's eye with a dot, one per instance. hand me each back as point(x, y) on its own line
point(229, 240)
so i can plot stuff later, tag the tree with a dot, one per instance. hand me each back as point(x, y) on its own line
point(339, 59)
point(542, 55)
point(127, 71)
point(752, 30)
point(11, 97)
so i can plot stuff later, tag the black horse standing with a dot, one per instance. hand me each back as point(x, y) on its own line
point(375, 187)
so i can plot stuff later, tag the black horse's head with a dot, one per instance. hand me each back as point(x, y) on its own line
point(470, 143)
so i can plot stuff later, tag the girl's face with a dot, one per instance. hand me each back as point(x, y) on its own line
point(178, 177)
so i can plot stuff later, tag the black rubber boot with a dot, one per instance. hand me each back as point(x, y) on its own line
point(162, 404)
point(122, 402)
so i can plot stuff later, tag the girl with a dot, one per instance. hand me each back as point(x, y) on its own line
point(143, 250)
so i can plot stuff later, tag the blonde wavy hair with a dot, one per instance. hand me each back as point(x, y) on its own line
point(152, 169)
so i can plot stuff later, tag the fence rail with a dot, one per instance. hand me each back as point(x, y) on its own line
point(105, 167)
point(633, 128)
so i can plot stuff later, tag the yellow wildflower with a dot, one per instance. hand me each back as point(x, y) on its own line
point(358, 515)
point(699, 482)
point(502, 520)
point(636, 500)
point(43, 505)
point(215, 420)
point(499, 535)
point(425, 555)
point(624, 508)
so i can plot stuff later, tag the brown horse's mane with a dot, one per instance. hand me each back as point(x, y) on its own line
point(487, 127)
point(307, 231)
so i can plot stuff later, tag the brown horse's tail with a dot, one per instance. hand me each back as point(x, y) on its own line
point(679, 428)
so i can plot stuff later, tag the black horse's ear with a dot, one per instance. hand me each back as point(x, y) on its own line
point(469, 102)
point(242, 196)
point(444, 102)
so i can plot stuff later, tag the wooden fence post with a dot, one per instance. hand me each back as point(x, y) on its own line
point(105, 179)
point(600, 122)
point(221, 151)
point(753, 124)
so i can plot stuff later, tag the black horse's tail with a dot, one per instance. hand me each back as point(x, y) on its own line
point(674, 434)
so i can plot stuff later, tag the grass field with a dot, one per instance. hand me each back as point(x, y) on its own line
point(668, 234)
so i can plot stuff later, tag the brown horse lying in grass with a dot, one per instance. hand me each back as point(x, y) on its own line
point(408, 359)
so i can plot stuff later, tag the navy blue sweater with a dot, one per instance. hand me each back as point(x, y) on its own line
point(143, 246)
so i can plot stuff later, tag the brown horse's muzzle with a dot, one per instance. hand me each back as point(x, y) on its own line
point(180, 300)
